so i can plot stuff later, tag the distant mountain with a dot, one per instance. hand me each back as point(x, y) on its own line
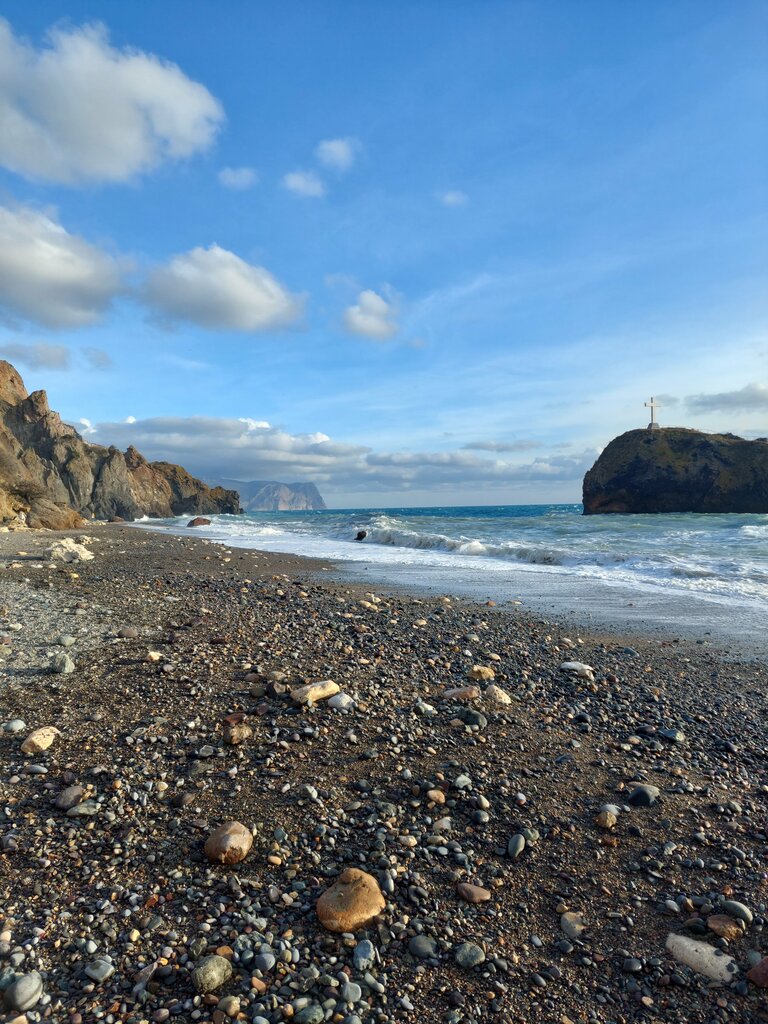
point(50, 477)
point(673, 469)
point(270, 496)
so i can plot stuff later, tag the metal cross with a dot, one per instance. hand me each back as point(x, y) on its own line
point(653, 405)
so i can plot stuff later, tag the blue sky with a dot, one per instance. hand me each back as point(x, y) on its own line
point(418, 253)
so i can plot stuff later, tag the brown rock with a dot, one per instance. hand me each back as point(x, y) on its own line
point(228, 844)
point(313, 692)
point(39, 740)
point(199, 521)
point(351, 902)
point(472, 893)
point(724, 926)
point(437, 796)
point(482, 673)
point(462, 693)
point(236, 730)
point(758, 975)
point(606, 819)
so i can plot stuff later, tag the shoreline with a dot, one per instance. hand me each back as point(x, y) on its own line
point(323, 789)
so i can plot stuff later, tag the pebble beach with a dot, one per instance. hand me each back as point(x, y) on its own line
point(235, 788)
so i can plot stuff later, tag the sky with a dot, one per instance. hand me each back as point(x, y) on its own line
point(417, 253)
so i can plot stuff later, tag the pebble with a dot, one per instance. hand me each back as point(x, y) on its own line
point(229, 843)
point(25, 992)
point(211, 973)
point(353, 900)
point(468, 955)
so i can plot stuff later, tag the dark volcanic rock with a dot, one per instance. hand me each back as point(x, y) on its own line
point(677, 470)
point(50, 477)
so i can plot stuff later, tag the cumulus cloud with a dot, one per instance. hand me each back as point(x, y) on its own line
point(50, 276)
point(78, 109)
point(502, 446)
point(86, 427)
point(38, 356)
point(216, 289)
point(305, 184)
point(238, 178)
point(251, 449)
point(453, 197)
point(337, 154)
point(371, 316)
point(750, 398)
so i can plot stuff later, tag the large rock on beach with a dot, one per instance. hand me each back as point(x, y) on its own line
point(229, 843)
point(211, 973)
point(313, 692)
point(673, 469)
point(351, 903)
point(701, 957)
point(40, 739)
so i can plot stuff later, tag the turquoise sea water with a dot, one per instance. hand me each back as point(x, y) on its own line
point(717, 558)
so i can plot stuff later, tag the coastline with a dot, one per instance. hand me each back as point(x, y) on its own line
point(136, 735)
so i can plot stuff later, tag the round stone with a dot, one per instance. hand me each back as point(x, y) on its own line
point(351, 902)
point(468, 955)
point(25, 992)
point(228, 844)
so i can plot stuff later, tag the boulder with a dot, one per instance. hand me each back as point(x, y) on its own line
point(211, 973)
point(674, 469)
point(351, 902)
point(199, 521)
point(229, 843)
point(702, 958)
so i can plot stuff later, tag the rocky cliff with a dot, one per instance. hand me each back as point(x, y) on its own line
point(677, 470)
point(270, 496)
point(50, 477)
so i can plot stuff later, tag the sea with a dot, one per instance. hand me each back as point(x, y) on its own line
point(691, 574)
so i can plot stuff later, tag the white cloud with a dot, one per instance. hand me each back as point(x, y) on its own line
point(78, 109)
point(38, 356)
point(250, 449)
point(86, 427)
point(453, 197)
point(216, 289)
point(502, 446)
point(238, 178)
point(747, 399)
point(337, 154)
point(371, 316)
point(50, 276)
point(304, 183)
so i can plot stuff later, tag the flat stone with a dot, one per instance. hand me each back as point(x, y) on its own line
point(84, 810)
point(643, 796)
point(572, 924)
point(24, 993)
point(468, 955)
point(100, 970)
point(702, 958)
point(211, 972)
point(351, 902)
point(229, 843)
point(472, 893)
point(462, 693)
point(364, 955)
point(69, 798)
point(422, 947)
point(724, 926)
point(313, 692)
point(40, 739)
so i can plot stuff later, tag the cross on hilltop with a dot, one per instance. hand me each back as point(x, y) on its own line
point(653, 405)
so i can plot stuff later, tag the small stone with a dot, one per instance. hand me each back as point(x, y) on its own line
point(468, 955)
point(62, 664)
point(422, 947)
point(84, 810)
point(738, 910)
point(341, 702)
point(313, 692)
point(229, 1005)
point(24, 993)
point(237, 731)
point(515, 846)
point(482, 673)
point(462, 693)
point(572, 924)
point(643, 796)
point(15, 725)
point(579, 669)
point(128, 633)
point(703, 958)
point(229, 843)
point(364, 955)
point(210, 973)
point(472, 893)
point(437, 796)
point(606, 819)
point(40, 739)
point(100, 970)
point(724, 926)
point(351, 902)
point(758, 974)
point(69, 797)
point(497, 694)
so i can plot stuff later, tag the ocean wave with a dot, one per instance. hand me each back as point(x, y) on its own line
point(754, 532)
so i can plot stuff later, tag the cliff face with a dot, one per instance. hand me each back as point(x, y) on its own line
point(269, 496)
point(50, 477)
point(677, 470)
